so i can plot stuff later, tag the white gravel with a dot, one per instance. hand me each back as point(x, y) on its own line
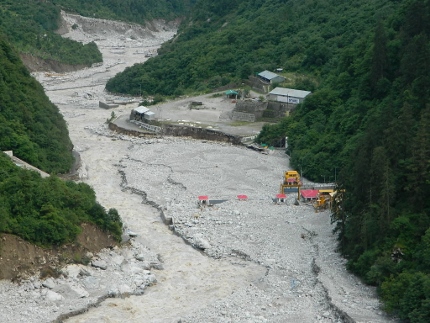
point(252, 261)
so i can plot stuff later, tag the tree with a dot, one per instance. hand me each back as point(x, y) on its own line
point(379, 58)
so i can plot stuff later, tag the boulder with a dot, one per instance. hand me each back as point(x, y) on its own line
point(201, 243)
point(53, 296)
point(99, 264)
point(48, 283)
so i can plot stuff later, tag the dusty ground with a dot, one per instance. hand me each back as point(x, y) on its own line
point(19, 259)
point(262, 262)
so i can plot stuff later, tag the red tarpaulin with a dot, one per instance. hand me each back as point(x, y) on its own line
point(242, 197)
point(281, 196)
point(203, 198)
point(309, 194)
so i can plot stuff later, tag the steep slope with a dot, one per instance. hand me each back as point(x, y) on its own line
point(32, 25)
point(225, 42)
point(45, 211)
point(30, 125)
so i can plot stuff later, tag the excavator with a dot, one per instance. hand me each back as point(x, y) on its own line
point(321, 203)
point(324, 199)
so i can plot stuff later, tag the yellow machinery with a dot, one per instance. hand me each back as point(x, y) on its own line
point(291, 183)
point(322, 203)
point(324, 199)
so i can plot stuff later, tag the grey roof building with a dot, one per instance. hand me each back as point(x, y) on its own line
point(282, 94)
point(270, 77)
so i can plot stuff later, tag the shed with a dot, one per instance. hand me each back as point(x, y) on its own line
point(281, 198)
point(309, 195)
point(149, 115)
point(292, 96)
point(270, 77)
point(142, 113)
point(203, 200)
point(231, 93)
point(141, 109)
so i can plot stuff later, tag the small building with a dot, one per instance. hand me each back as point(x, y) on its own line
point(232, 94)
point(286, 95)
point(280, 198)
point(309, 195)
point(142, 113)
point(203, 200)
point(270, 77)
point(149, 115)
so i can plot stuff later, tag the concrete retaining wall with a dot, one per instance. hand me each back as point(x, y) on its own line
point(255, 107)
point(129, 132)
point(242, 116)
point(200, 133)
point(182, 131)
point(107, 105)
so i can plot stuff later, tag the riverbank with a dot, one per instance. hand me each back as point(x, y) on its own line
point(244, 261)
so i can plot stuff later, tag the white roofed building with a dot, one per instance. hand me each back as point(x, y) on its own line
point(142, 114)
point(286, 95)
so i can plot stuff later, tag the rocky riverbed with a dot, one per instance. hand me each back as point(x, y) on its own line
point(233, 261)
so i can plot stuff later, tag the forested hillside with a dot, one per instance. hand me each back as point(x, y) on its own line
point(44, 211)
point(30, 124)
point(367, 123)
point(224, 42)
point(50, 211)
point(31, 25)
point(138, 11)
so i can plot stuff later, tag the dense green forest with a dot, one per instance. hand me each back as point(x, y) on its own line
point(224, 42)
point(31, 25)
point(44, 211)
point(138, 11)
point(30, 124)
point(366, 125)
point(48, 211)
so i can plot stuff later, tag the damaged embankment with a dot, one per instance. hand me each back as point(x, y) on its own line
point(182, 131)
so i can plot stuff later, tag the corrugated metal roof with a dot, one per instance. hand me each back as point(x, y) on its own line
point(309, 194)
point(268, 75)
point(141, 109)
point(230, 92)
point(289, 92)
